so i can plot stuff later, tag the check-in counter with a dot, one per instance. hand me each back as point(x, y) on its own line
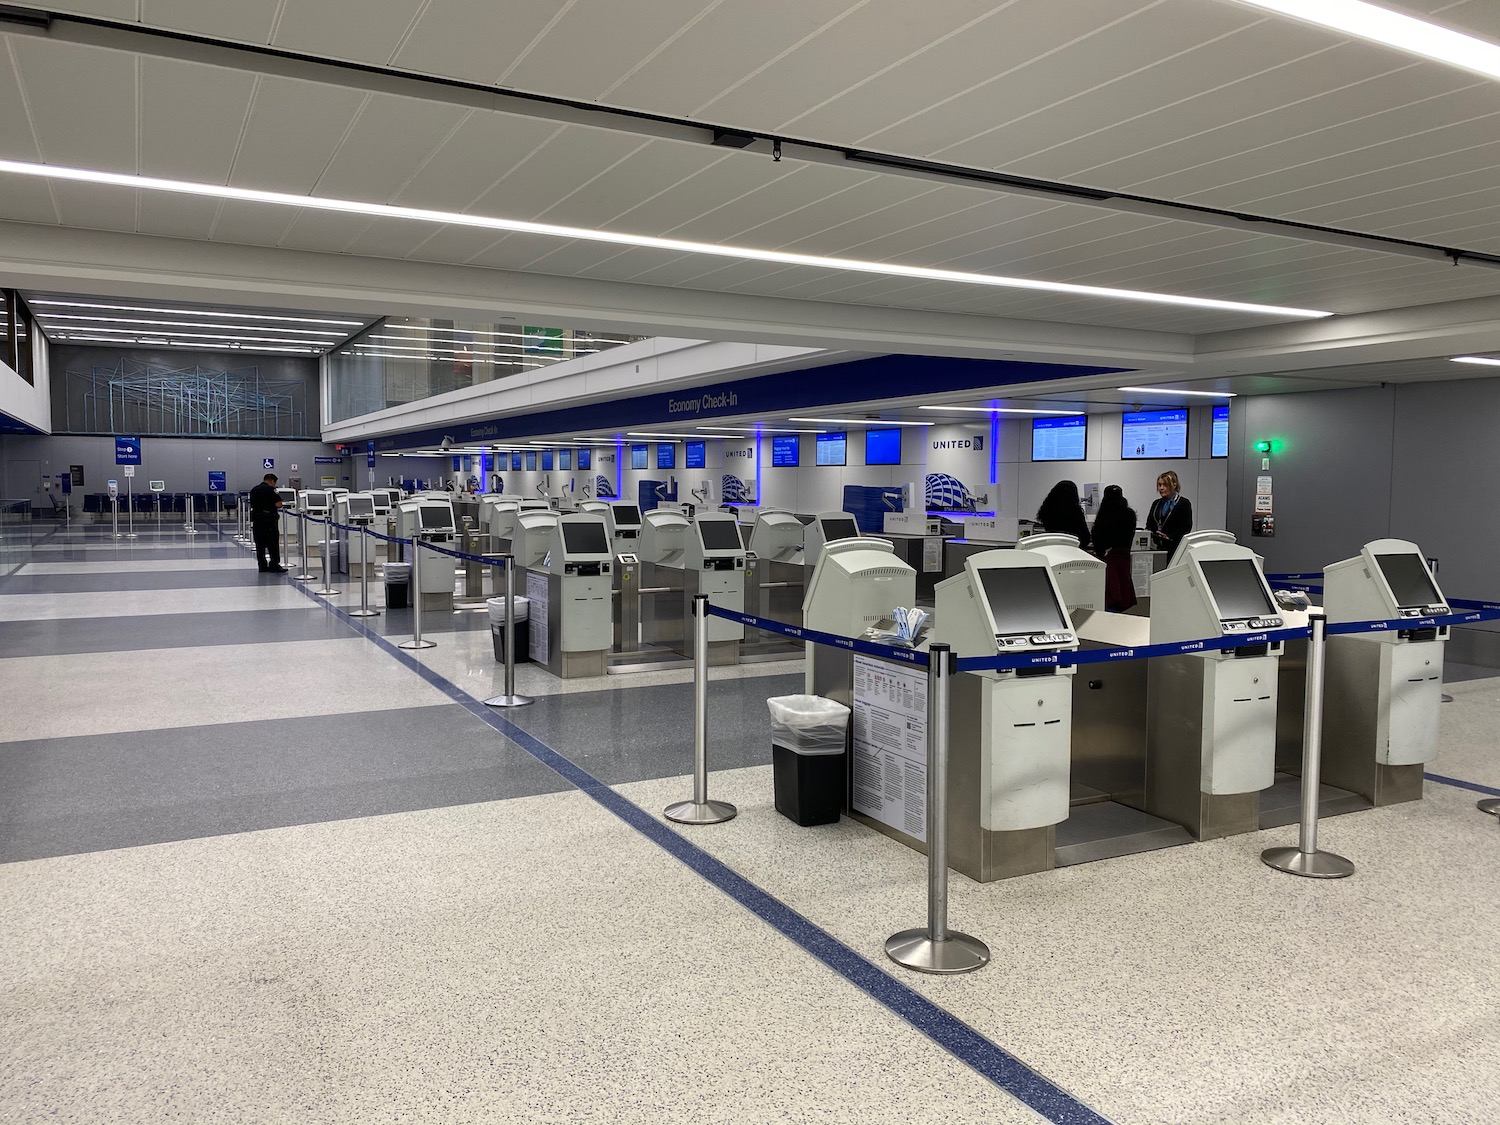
point(714, 565)
point(857, 584)
point(578, 587)
point(663, 553)
point(430, 519)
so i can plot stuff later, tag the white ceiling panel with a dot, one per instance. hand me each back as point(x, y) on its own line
point(471, 42)
point(82, 102)
point(390, 137)
point(293, 131)
point(372, 32)
point(177, 216)
point(315, 230)
point(128, 10)
point(244, 21)
point(483, 148)
point(513, 253)
point(96, 207)
point(390, 238)
point(28, 201)
point(17, 139)
point(563, 165)
point(254, 224)
point(191, 118)
point(594, 44)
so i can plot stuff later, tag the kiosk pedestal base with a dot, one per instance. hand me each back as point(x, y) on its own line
point(437, 603)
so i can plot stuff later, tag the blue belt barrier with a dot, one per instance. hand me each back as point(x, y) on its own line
point(833, 640)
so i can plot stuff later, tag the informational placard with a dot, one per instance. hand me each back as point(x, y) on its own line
point(536, 619)
point(130, 470)
point(638, 456)
point(546, 460)
point(832, 449)
point(218, 482)
point(786, 452)
point(127, 451)
point(1059, 439)
point(666, 455)
point(585, 458)
point(565, 459)
point(77, 473)
point(332, 461)
point(1219, 446)
point(515, 461)
point(890, 744)
point(1154, 434)
point(932, 555)
point(696, 456)
point(531, 460)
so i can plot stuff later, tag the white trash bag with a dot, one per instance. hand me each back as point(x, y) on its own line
point(808, 724)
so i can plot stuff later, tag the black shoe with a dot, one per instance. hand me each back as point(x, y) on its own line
point(263, 569)
point(279, 570)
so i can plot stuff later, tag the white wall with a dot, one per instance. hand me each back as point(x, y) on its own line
point(28, 402)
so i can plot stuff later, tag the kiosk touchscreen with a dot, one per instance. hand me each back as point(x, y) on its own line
point(1383, 690)
point(625, 528)
point(714, 564)
point(824, 529)
point(579, 595)
point(1011, 735)
point(314, 502)
point(856, 585)
point(1211, 713)
point(1079, 575)
point(532, 537)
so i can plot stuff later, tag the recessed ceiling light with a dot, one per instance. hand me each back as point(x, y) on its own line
point(674, 438)
point(1393, 29)
point(35, 302)
point(674, 245)
point(737, 432)
point(1485, 360)
point(1170, 391)
point(1001, 410)
point(48, 319)
point(869, 423)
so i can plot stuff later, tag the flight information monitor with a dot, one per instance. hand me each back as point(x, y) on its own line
point(719, 535)
point(1408, 579)
point(515, 462)
point(565, 459)
point(786, 452)
point(696, 456)
point(842, 528)
point(585, 458)
point(1059, 439)
point(666, 455)
point(584, 538)
point(531, 460)
point(1237, 588)
point(1220, 444)
point(1154, 434)
point(883, 447)
point(435, 517)
point(833, 449)
point(546, 460)
point(1022, 600)
point(627, 515)
point(637, 456)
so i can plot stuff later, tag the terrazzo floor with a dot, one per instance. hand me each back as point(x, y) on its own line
point(259, 868)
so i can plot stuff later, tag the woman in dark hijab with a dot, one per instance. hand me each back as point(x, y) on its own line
point(1061, 512)
point(1114, 532)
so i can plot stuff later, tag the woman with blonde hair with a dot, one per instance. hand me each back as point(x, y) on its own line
point(1171, 514)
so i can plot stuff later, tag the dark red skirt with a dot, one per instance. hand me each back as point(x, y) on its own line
point(1119, 587)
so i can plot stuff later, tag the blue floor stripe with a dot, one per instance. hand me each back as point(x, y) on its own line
point(1459, 783)
point(942, 1027)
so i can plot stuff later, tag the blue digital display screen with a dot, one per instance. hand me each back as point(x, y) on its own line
point(515, 462)
point(1154, 434)
point(883, 447)
point(565, 459)
point(1220, 445)
point(697, 455)
point(1059, 439)
point(546, 460)
point(833, 449)
point(666, 455)
point(531, 460)
point(585, 458)
point(638, 456)
point(786, 452)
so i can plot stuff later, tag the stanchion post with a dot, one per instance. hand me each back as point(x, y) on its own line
point(114, 502)
point(509, 698)
point(189, 529)
point(1305, 859)
point(935, 948)
point(416, 599)
point(364, 609)
point(306, 575)
point(329, 589)
point(130, 508)
point(700, 810)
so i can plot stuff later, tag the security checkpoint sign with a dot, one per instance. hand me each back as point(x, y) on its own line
point(218, 482)
point(127, 451)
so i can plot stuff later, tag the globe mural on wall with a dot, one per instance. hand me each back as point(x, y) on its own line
point(735, 491)
point(603, 490)
point(947, 493)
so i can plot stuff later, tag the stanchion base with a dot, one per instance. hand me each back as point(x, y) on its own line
point(915, 950)
point(691, 812)
point(362, 612)
point(1311, 865)
point(303, 577)
point(509, 701)
point(131, 535)
point(327, 592)
point(1446, 698)
point(414, 643)
point(1489, 805)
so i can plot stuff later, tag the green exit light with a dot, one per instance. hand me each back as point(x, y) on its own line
point(1262, 447)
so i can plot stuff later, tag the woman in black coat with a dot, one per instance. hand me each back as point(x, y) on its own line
point(1114, 533)
point(1171, 514)
point(1062, 512)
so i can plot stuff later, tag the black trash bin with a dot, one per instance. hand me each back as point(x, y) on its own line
point(522, 628)
point(397, 585)
point(809, 757)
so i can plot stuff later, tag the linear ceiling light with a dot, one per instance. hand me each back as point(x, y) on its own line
point(273, 329)
point(93, 335)
point(675, 439)
point(101, 330)
point(1480, 359)
point(875, 423)
point(1002, 410)
point(1393, 29)
point(1170, 391)
point(194, 312)
point(675, 245)
point(717, 430)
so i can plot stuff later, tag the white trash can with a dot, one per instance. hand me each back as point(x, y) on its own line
point(496, 608)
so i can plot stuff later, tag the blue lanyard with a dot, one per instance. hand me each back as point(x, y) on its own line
point(1166, 509)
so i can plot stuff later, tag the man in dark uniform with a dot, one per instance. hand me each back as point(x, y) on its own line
point(265, 525)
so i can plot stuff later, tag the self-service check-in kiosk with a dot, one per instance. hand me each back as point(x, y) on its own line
point(287, 521)
point(532, 537)
point(1382, 690)
point(578, 592)
point(825, 529)
point(357, 509)
point(430, 519)
point(714, 564)
point(775, 577)
point(1010, 735)
point(663, 554)
point(314, 502)
point(1107, 788)
point(623, 522)
point(1211, 715)
point(856, 585)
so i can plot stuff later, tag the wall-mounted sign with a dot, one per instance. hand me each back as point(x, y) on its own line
point(127, 451)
